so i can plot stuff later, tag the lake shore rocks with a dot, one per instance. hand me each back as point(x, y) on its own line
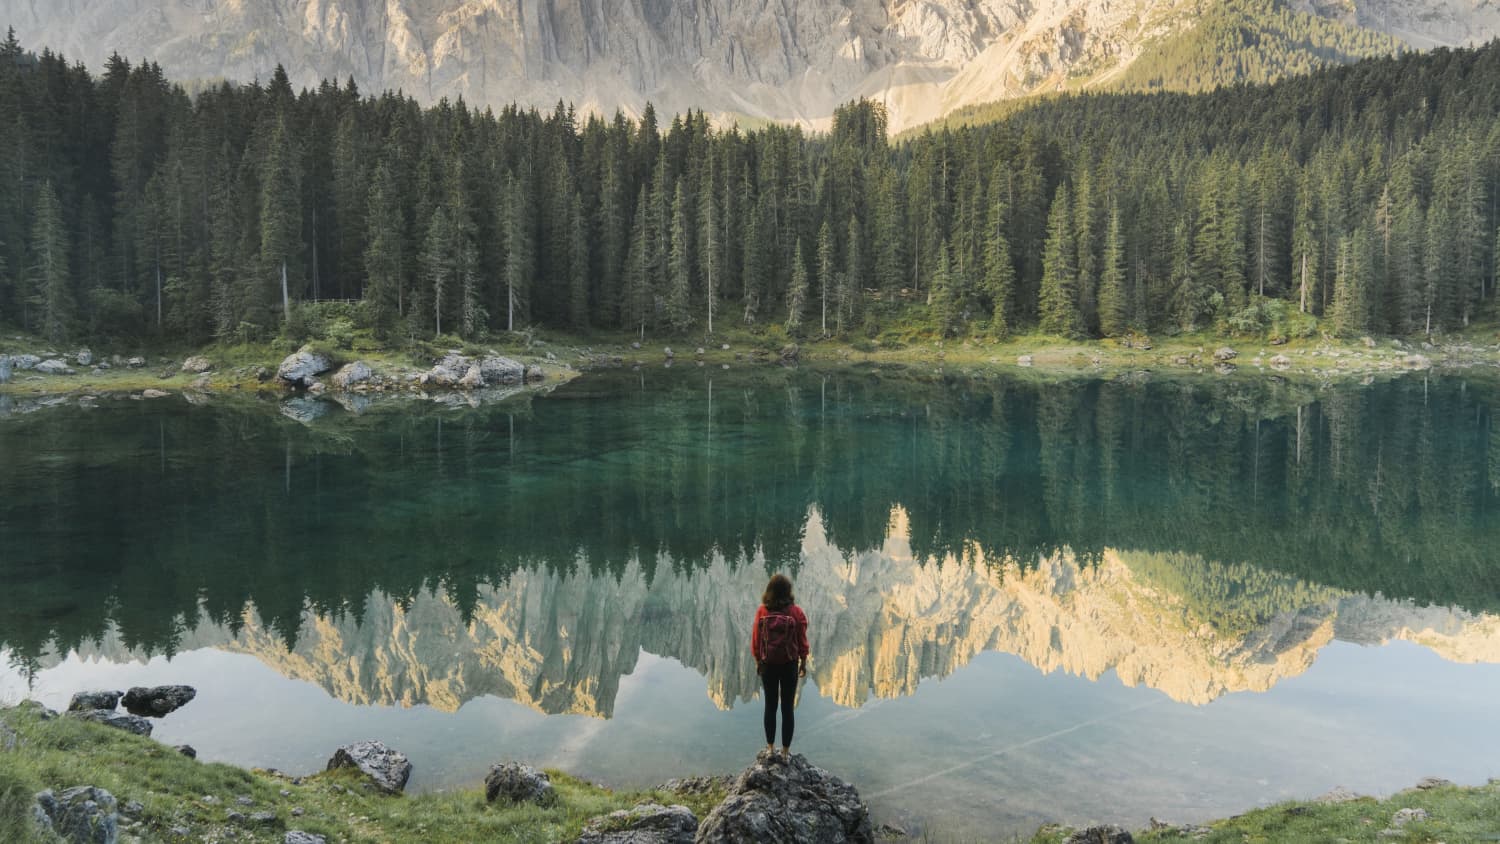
point(157, 701)
point(82, 814)
point(788, 800)
point(119, 720)
point(514, 782)
point(648, 823)
point(303, 366)
point(5, 368)
point(352, 375)
point(197, 364)
point(1106, 834)
point(86, 701)
point(388, 769)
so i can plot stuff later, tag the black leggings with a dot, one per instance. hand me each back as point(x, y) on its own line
point(780, 682)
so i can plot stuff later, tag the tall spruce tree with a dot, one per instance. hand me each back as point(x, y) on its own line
point(1059, 294)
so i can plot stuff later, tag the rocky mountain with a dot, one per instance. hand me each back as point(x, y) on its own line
point(772, 59)
point(882, 622)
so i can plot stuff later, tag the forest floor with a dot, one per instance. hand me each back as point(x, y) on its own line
point(245, 368)
point(165, 796)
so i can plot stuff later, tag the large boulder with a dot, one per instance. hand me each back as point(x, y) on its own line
point(82, 814)
point(388, 769)
point(501, 370)
point(1100, 835)
point(5, 368)
point(303, 366)
point(351, 375)
point(83, 357)
point(119, 720)
point(648, 823)
point(54, 366)
point(157, 701)
point(517, 783)
point(788, 800)
point(86, 701)
point(472, 379)
point(1224, 354)
point(25, 362)
point(197, 364)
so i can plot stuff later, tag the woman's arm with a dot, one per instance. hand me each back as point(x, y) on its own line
point(804, 650)
point(754, 631)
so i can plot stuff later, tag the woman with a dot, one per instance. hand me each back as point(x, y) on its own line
point(778, 639)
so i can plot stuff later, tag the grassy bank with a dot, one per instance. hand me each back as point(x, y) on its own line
point(182, 799)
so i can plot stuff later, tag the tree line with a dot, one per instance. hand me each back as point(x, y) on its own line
point(1367, 196)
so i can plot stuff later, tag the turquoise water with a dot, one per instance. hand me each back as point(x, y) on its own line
point(1086, 600)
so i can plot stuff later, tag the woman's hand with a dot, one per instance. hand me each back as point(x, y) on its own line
point(802, 668)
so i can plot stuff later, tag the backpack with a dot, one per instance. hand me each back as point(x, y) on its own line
point(778, 638)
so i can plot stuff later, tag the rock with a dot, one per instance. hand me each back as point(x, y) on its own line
point(351, 374)
point(266, 818)
point(889, 831)
point(1281, 362)
point(696, 785)
point(262, 374)
point(1426, 783)
point(244, 800)
point(316, 388)
point(54, 367)
point(501, 370)
point(441, 376)
point(517, 783)
point(723, 347)
point(1406, 816)
point(1225, 368)
point(186, 750)
point(119, 720)
point(157, 701)
point(8, 737)
point(234, 817)
point(700, 352)
point(303, 409)
point(5, 368)
point(82, 814)
point(1368, 341)
point(1397, 344)
point(648, 823)
point(1338, 794)
point(472, 379)
point(136, 363)
point(133, 809)
point(635, 345)
point(85, 701)
point(668, 352)
point(535, 374)
point(1025, 360)
point(1224, 354)
point(297, 836)
point(83, 357)
point(389, 769)
point(786, 800)
point(1108, 834)
point(791, 351)
point(197, 364)
point(1417, 362)
point(300, 367)
point(25, 362)
point(154, 393)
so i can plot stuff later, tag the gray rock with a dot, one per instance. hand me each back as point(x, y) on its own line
point(1224, 354)
point(302, 366)
point(1368, 341)
point(1417, 362)
point(83, 357)
point(352, 374)
point(316, 387)
point(535, 373)
point(303, 409)
point(186, 750)
point(442, 376)
point(472, 379)
point(118, 720)
point(648, 823)
point(5, 368)
point(82, 814)
point(245, 800)
point(788, 800)
point(155, 394)
point(1108, 834)
point(1025, 360)
point(266, 818)
point(668, 352)
point(297, 836)
point(517, 783)
point(791, 351)
point(54, 367)
point(1426, 783)
point(501, 370)
point(389, 769)
point(25, 362)
point(455, 361)
point(1406, 816)
point(197, 364)
point(133, 809)
point(8, 737)
point(1225, 368)
point(1338, 794)
point(180, 831)
point(696, 785)
point(234, 817)
point(136, 363)
point(85, 701)
point(157, 701)
point(1281, 362)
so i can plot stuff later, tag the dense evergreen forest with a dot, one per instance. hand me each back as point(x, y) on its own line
point(1368, 195)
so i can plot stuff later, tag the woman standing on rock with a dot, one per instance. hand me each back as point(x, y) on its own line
point(778, 639)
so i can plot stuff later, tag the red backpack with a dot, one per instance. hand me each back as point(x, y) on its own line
point(778, 638)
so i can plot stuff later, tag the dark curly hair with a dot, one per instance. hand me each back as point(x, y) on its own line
point(778, 594)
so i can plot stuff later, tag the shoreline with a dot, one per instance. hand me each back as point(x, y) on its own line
point(162, 794)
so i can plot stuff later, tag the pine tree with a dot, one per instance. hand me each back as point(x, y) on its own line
point(438, 265)
point(1059, 295)
point(796, 295)
point(679, 268)
point(384, 239)
point(578, 270)
point(1112, 297)
point(942, 296)
point(710, 246)
point(280, 216)
point(826, 269)
point(51, 283)
point(520, 263)
point(638, 292)
point(1350, 313)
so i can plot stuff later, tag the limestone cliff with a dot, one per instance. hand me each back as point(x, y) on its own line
point(776, 59)
point(881, 622)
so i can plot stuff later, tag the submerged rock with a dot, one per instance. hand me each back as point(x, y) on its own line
point(82, 814)
point(157, 701)
point(389, 769)
point(648, 823)
point(86, 701)
point(119, 720)
point(517, 783)
point(788, 800)
point(302, 366)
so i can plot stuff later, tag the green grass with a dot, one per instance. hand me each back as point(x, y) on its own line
point(175, 792)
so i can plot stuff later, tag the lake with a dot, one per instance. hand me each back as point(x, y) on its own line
point(1030, 599)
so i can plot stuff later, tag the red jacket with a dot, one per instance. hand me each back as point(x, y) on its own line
point(797, 615)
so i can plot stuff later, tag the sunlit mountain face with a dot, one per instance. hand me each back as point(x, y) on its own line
point(1039, 570)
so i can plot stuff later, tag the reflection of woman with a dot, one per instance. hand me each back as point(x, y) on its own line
point(778, 639)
